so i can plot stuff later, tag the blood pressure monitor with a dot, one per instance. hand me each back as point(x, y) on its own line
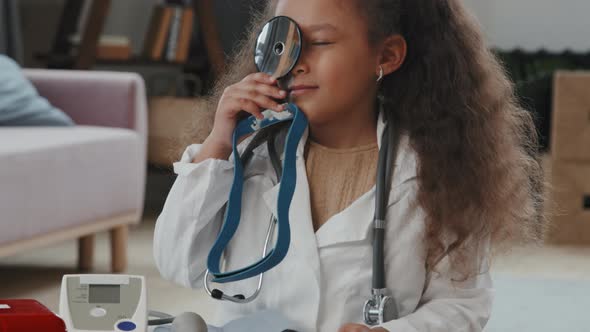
point(103, 303)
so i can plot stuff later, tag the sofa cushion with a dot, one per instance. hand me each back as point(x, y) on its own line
point(58, 177)
point(20, 104)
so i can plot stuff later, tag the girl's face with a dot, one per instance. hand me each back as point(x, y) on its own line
point(337, 68)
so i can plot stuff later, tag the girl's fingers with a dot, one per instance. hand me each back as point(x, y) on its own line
point(260, 99)
point(260, 78)
point(271, 91)
point(248, 106)
point(351, 327)
point(253, 94)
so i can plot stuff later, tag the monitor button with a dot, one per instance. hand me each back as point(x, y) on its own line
point(98, 312)
point(126, 326)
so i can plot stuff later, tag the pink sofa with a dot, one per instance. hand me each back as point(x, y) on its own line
point(61, 183)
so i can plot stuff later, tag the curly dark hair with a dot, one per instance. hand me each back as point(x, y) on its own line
point(479, 175)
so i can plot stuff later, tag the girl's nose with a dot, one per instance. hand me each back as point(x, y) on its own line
point(300, 68)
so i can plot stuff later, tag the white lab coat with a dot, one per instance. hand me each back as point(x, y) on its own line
point(325, 278)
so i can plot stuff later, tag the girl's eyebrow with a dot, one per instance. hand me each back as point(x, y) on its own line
point(323, 26)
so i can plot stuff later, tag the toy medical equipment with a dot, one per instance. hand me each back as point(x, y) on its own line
point(28, 315)
point(277, 51)
point(185, 322)
point(117, 303)
point(261, 321)
point(233, 210)
point(100, 302)
point(381, 308)
point(278, 48)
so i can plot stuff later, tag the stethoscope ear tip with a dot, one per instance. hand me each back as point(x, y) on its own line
point(216, 294)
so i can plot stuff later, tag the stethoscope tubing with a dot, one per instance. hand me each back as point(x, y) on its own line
point(384, 174)
point(383, 183)
point(276, 163)
point(239, 299)
point(286, 190)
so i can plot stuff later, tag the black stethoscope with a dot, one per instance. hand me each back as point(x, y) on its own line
point(277, 51)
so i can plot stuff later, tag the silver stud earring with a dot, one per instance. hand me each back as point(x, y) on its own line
point(380, 73)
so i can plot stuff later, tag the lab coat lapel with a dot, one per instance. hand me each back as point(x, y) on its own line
point(355, 221)
point(303, 240)
point(351, 224)
point(303, 251)
point(302, 233)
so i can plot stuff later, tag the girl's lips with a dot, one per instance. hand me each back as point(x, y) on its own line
point(297, 91)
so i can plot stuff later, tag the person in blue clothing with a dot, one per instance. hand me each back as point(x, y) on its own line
point(467, 178)
point(20, 103)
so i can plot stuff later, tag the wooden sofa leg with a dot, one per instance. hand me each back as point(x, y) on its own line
point(119, 248)
point(86, 253)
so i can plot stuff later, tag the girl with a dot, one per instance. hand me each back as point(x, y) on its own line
point(466, 177)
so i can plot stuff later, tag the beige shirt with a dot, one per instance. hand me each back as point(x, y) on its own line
point(337, 177)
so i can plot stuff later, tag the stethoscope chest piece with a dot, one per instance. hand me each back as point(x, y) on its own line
point(379, 309)
point(278, 47)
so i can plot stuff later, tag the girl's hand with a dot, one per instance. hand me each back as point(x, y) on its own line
point(255, 92)
point(351, 327)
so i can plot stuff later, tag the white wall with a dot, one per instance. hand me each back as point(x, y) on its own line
point(533, 24)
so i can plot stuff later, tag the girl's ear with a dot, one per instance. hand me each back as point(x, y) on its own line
point(393, 53)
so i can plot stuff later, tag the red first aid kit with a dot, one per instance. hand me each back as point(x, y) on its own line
point(28, 316)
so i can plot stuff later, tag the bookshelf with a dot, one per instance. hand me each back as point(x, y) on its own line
point(207, 62)
point(171, 81)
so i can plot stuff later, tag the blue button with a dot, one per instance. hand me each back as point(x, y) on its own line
point(126, 326)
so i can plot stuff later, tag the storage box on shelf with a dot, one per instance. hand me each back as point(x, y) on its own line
point(570, 159)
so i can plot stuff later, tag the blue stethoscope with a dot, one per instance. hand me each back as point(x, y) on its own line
point(277, 51)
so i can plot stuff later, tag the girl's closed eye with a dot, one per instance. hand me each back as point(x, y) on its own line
point(321, 43)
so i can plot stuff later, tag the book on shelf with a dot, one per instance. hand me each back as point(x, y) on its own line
point(113, 52)
point(169, 33)
point(110, 47)
point(157, 32)
point(184, 36)
point(172, 42)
